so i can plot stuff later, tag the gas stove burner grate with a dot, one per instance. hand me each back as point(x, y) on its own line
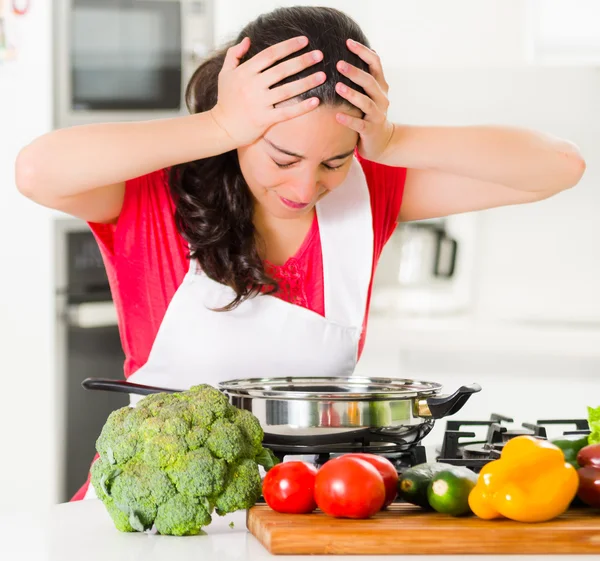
point(401, 449)
point(371, 439)
point(475, 454)
point(371, 448)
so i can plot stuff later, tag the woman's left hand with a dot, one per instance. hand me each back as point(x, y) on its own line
point(374, 129)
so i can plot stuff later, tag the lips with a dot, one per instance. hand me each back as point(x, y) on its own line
point(292, 204)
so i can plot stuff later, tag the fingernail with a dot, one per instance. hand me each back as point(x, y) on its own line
point(302, 40)
point(317, 55)
point(342, 66)
point(342, 88)
point(352, 42)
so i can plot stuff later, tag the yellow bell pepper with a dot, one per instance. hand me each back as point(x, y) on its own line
point(530, 482)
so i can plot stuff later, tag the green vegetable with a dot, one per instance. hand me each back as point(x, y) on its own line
point(594, 422)
point(413, 483)
point(175, 458)
point(448, 491)
point(571, 447)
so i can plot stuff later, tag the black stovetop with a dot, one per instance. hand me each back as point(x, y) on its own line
point(474, 454)
point(455, 449)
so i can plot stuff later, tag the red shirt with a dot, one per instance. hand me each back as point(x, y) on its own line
point(146, 257)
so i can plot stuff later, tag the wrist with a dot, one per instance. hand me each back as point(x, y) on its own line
point(203, 137)
point(387, 152)
point(393, 154)
point(220, 129)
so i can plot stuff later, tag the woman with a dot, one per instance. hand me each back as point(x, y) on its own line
point(282, 187)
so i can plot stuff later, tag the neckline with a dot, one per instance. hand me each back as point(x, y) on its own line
point(314, 227)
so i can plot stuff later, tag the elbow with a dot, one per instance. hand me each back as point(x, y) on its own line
point(567, 173)
point(25, 174)
point(574, 167)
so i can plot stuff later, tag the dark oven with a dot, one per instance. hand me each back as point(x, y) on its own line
point(87, 344)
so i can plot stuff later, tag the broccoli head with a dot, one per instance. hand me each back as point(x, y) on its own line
point(175, 458)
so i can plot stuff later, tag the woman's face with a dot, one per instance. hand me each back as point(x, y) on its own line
point(297, 162)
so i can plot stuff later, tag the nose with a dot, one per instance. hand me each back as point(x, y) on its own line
point(305, 187)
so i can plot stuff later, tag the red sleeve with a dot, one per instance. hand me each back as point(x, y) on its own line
point(145, 259)
point(386, 187)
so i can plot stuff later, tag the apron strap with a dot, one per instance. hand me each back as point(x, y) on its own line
point(346, 228)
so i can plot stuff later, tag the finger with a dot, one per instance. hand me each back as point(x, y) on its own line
point(272, 54)
point(363, 102)
point(366, 81)
point(295, 109)
point(290, 67)
point(235, 53)
point(371, 58)
point(354, 123)
point(288, 91)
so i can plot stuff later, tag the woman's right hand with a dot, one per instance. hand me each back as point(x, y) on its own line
point(246, 103)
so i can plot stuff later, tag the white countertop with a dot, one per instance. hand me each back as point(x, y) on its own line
point(83, 531)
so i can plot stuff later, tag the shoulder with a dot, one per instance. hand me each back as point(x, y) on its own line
point(381, 177)
point(386, 187)
point(147, 216)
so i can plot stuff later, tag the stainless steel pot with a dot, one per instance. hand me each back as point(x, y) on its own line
point(310, 406)
point(317, 407)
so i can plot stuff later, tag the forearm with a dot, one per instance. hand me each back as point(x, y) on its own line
point(78, 159)
point(517, 158)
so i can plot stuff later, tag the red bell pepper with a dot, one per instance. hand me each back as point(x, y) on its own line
point(589, 475)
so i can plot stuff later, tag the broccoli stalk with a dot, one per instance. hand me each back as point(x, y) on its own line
point(175, 458)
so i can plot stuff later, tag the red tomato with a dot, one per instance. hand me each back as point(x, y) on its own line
point(387, 471)
point(289, 487)
point(348, 487)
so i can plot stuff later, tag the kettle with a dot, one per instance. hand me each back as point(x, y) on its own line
point(416, 271)
point(426, 254)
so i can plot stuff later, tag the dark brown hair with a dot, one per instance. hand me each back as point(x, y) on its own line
point(214, 206)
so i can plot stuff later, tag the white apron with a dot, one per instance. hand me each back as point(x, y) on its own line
point(266, 336)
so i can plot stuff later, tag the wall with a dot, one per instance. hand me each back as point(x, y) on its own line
point(27, 466)
point(428, 33)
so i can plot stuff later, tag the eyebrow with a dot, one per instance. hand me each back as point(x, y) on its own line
point(284, 151)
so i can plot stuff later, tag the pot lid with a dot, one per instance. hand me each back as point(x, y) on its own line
point(343, 388)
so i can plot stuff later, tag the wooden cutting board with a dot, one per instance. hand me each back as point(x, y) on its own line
point(407, 529)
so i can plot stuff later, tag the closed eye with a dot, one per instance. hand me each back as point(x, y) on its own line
point(330, 168)
point(283, 165)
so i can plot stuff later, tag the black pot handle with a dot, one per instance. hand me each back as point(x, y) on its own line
point(448, 405)
point(122, 386)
